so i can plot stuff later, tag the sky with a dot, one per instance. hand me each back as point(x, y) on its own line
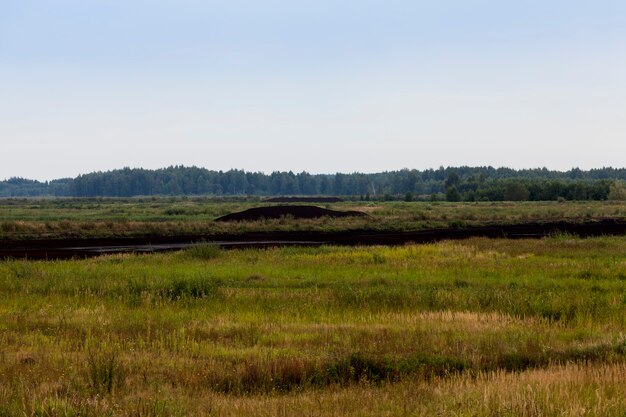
point(320, 86)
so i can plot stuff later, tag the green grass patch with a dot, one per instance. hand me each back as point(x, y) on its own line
point(134, 330)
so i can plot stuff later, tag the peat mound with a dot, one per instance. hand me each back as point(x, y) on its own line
point(304, 200)
point(276, 212)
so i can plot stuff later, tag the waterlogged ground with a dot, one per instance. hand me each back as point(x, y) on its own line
point(111, 217)
point(472, 328)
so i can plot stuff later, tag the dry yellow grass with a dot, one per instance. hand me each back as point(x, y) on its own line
point(564, 391)
point(559, 391)
point(475, 328)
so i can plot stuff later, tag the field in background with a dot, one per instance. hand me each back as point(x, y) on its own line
point(74, 218)
point(474, 328)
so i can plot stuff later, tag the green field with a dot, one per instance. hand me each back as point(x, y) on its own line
point(62, 218)
point(473, 328)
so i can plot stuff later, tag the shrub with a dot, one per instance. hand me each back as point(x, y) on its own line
point(617, 191)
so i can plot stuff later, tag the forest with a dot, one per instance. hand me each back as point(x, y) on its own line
point(450, 183)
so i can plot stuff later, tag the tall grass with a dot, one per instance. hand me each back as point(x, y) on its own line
point(411, 330)
point(204, 251)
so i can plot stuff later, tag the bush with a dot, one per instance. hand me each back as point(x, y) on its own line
point(452, 194)
point(617, 191)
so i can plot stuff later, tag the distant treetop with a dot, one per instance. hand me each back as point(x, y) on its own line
point(453, 183)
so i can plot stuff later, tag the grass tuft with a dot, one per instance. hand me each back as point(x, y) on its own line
point(204, 251)
point(105, 370)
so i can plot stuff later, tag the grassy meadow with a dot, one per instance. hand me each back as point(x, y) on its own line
point(472, 328)
point(111, 217)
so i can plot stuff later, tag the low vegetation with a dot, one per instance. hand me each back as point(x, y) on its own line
point(70, 218)
point(475, 328)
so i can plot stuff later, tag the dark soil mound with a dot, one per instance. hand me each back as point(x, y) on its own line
point(276, 212)
point(304, 200)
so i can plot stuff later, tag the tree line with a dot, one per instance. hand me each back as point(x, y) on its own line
point(450, 183)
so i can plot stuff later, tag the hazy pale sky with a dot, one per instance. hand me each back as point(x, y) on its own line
point(321, 86)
